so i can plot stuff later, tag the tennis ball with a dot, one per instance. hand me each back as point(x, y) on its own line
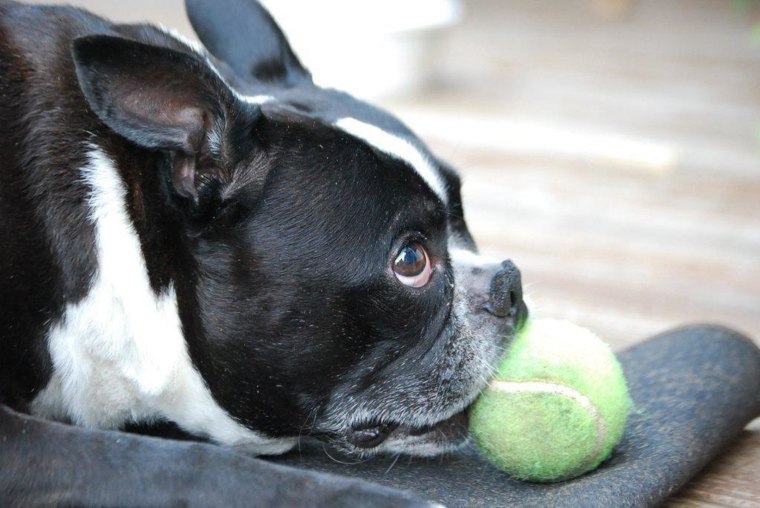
point(556, 407)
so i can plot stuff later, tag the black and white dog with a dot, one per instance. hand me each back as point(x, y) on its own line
point(208, 238)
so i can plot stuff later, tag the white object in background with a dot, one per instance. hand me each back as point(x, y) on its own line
point(372, 48)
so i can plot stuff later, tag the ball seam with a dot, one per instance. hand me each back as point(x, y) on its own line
point(512, 387)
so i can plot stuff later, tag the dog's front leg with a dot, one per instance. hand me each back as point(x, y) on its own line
point(46, 463)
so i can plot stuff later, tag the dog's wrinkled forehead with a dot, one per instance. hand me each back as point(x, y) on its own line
point(379, 130)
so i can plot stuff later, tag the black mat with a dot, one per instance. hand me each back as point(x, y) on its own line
point(694, 389)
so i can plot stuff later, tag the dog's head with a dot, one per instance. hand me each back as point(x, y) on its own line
point(335, 288)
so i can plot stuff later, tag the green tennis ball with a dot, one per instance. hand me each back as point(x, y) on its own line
point(556, 407)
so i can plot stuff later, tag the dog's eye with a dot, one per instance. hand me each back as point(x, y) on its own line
point(412, 265)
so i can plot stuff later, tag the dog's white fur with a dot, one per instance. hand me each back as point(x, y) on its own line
point(397, 148)
point(119, 354)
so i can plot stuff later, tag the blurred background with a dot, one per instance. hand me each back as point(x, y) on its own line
point(611, 148)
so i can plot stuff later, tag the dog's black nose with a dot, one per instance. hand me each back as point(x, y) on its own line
point(505, 297)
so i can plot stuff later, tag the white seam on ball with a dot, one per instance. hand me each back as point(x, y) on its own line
point(565, 391)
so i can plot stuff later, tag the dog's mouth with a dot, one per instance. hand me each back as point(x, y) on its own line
point(370, 435)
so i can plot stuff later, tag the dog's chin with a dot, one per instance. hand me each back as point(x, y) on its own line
point(446, 435)
point(415, 418)
point(391, 437)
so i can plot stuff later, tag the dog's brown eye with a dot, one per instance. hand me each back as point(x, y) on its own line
point(412, 265)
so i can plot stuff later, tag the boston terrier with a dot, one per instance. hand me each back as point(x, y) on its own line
point(202, 236)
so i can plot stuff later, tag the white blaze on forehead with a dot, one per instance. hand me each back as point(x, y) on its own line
point(254, 99)
point(392, 145)
point(397, 148)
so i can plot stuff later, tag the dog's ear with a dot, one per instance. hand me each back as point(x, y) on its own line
point(244, 35)
point(155, 97)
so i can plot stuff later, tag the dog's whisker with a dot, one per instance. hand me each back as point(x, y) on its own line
point(398, 455)
point(324, 449)
point(313, 416)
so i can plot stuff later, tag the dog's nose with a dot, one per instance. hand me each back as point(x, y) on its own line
point(505, 297)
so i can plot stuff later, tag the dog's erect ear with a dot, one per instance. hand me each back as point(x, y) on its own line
point(156, 97)
point(244, 35)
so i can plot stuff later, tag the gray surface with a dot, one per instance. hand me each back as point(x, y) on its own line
point(694, 389)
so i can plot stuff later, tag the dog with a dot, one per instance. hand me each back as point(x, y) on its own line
point(201, 236)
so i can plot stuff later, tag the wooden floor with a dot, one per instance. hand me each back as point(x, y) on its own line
point(615, 158)
point(617, 161)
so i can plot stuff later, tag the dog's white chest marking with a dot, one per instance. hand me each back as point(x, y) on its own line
point(119, 355)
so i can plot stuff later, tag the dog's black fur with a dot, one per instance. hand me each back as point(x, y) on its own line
point(276, 229)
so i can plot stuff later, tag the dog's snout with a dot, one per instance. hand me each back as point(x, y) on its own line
point(505, 296)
